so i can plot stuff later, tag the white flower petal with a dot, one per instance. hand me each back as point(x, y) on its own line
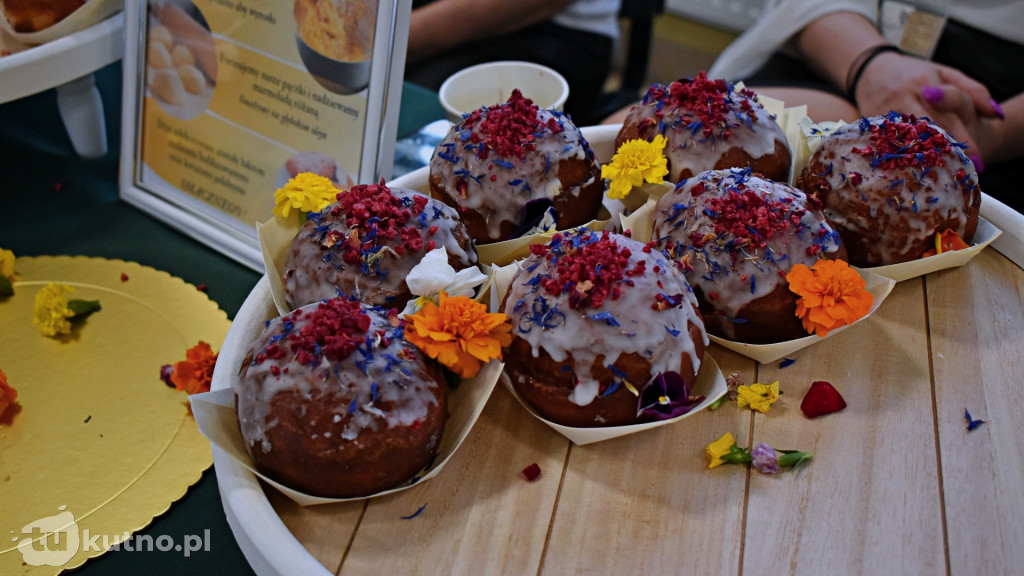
point(466, 281)
point(432, 274)
point(413, 306)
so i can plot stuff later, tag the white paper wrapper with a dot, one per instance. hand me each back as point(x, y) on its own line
point(1011, 242)
point(276, 236)
point(89, 14)
point(809, 135)
point(503, 253)
point(984, 236)
point(879, 286)
point(641, 222)
point(790, 119)
point(218, 421)
point(710, 383)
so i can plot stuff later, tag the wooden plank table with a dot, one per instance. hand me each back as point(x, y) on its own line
point(897, 485)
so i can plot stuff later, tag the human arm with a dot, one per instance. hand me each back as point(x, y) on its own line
point(1002, 140)
point(891, 81)
point(995, 140)
point(444, 24)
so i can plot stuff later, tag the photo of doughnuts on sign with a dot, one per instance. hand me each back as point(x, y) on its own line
point(335, 42)
point(181, 63)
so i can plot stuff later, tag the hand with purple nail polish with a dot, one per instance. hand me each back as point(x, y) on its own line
point(932, 94)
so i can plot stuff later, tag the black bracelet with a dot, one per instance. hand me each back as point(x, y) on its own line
point(860, 63)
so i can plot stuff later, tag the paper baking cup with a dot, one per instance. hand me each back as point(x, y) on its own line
point(805, 136)
point(984, 236)
point(217, 419)
point(879, 286)
point(641, 222)
point(710, 383)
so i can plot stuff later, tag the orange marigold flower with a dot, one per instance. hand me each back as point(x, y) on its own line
point(831, 295)
point(8, 395)
point(459, 333)
point(946, 241)
point(194, 374)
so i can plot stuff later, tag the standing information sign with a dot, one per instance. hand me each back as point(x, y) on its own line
point(225, 100)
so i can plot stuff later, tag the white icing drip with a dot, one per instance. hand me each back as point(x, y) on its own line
point(314, 272)
point(584, 392)
point(401, 384)
point(892, 209)
point(737, 277)
point(662, 338)
point(498, 187)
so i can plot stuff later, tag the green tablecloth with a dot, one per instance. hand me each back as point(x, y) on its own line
point(53, 202)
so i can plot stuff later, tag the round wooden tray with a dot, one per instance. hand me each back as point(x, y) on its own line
point(645, 503)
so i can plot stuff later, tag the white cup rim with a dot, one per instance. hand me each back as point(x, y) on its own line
point(453, 113)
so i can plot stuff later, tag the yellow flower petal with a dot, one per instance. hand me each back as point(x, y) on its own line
point(50, 313)
point(7, 264)
point(306, 192)
point(719, 448)
point(635, 162)
point(758, 397)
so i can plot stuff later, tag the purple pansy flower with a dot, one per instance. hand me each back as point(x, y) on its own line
point(666, 396)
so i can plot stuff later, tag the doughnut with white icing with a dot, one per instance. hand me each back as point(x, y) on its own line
point(595, 318)
point(709, 124)
point(365, 244)
point(736, 236)
point(334, 402)
point(890, 184)
point(505, 164)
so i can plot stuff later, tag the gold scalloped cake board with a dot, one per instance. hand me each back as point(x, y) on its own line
point(95, 430)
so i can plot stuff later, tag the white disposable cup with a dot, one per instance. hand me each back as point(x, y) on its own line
point(492, 83)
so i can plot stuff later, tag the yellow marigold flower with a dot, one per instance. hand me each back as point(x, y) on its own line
point(459, 333)
point(719, 448)
point(831, 295)
point(634, 163)
point(51, 313)
point(307, 192)
point(759, 397)
point(7, 264)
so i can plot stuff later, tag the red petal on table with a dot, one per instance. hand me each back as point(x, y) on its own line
point(822, 399)
point(531, 472)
